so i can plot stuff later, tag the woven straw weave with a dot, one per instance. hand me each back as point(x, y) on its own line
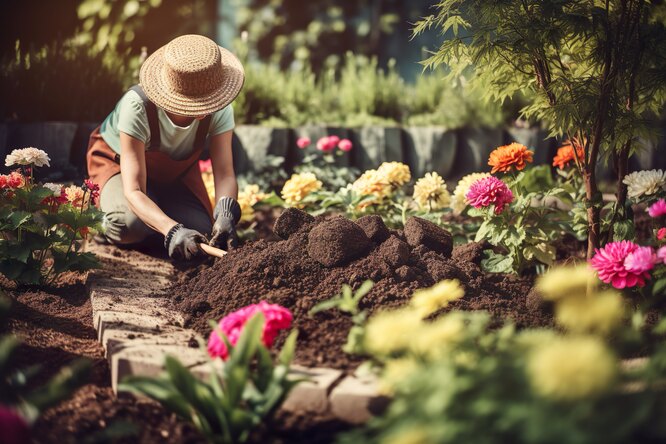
point(192, 76)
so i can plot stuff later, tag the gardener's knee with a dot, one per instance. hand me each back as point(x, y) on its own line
point(124, 227)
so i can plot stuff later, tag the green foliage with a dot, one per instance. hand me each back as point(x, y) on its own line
point(16, 384)
point(347, 302)
point(42, 235)
point(237, 398)
point(45, 83)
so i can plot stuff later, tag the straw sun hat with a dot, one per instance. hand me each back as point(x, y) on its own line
point(192, 76)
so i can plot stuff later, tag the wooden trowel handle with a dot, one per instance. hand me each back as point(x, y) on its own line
point(212, 251)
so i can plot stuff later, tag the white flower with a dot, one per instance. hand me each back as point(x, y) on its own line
point(644, 182)
point(57, 189)
point(458, 201)
point(27, 156)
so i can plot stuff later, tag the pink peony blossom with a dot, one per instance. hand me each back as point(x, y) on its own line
point(327, 144)
point(489, 191)
point(609, 262)
point(276, 318)
point(303, 142)
point(661, 234)
point(661, 255)
point(657, 209)
point(205, 166)
point(640, 260)
point(345, 145)
point(13, 427)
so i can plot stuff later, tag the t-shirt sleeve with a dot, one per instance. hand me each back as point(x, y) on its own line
point(222, 121)
point(132, 118)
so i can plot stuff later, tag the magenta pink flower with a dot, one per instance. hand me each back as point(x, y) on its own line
point(661, 255)
point(609, 262)
point(640, 260)
point(661, 234)
point(205, 166)
point(276, 318)
point(489, 191)
point(345, 145)
point(13, 427)
point(303, 142)
point(657, 209)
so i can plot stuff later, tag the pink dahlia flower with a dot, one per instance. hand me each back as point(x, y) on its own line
point(303, 142)
point(642, 259)
point(489, 191)
point(13, 427)
point(345, 145)
point(276, 318)
point(661, 255)
point(324, 145)
point(661, 234)
point(609, 262)
point(657, 209)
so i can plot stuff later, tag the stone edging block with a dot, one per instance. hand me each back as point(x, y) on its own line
point(355, 400)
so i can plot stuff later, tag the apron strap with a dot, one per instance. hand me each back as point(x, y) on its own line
point(202, 133)
point(153, 120)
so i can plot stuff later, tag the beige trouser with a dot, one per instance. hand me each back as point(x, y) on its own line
point(122, 226)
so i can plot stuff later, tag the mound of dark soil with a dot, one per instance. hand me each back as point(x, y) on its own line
point(284, 272)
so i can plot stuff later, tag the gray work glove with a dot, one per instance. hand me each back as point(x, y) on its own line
point(183, 243)
point(227, 213)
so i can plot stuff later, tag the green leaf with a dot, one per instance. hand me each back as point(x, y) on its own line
point(543, 252)
point(496, 263)
point(623, 230)
point(288, 349)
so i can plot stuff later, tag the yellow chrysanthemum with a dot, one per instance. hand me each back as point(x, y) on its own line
point(571, 368)
point(298, 187)
point(426, 301)
point(564, 282)
point(371, 183)
point(458, 201)
point(435, 338)
point(252, 194)
point(396, 174)
point(247, 211)
point(430, 192)
point(391, 331)
point(598, 313)
point(394, 374)
point(75, 196)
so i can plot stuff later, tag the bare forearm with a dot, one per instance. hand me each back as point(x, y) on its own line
point(149, 212)
point(226, 186)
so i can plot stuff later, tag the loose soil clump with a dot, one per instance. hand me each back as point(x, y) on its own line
point(285, 272)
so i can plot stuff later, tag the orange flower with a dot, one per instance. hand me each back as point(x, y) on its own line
point(505, 157)
point(565, 154)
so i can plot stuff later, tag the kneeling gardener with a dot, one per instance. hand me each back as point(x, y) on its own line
point(145, 154)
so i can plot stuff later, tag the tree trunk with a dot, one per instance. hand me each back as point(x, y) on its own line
point(622, 170)
point(593, 211)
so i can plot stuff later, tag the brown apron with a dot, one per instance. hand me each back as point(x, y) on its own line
point(103, 163)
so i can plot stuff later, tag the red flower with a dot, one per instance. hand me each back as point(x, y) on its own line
point(206, 166)
point(661, 234)
point(93, 188)
point(13, 427)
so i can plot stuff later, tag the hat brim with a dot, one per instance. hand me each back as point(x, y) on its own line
point(154, 84)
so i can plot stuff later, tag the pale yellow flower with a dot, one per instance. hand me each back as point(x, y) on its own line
point(458, 201)
point(75, 196)
point(371, 183)
point(563, 282)
point(428, 300)
point(209, 183)
point(571, 368)
point(430, 192)
point(598, 313)
point(27, 156)
point(247, 210)
point(298, 187)
point(409, 435)
point(252, 193)
point(434, 339)
point(396, 174)
point(396, 371)
point(391, 331)
point(645, 182)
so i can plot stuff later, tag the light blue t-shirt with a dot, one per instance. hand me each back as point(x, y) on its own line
point(129, 116)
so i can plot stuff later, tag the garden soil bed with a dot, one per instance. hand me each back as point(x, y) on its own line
point(286, 272)
point(55, 327)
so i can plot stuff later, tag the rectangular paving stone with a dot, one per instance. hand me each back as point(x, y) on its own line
point(148, 360)
point(112, 301)
point(311, 395)
point(139, 323)
point(116, 339)
point(356, 400)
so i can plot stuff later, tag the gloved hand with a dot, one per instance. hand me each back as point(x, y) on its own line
point(227, 213)
point(182, 243)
